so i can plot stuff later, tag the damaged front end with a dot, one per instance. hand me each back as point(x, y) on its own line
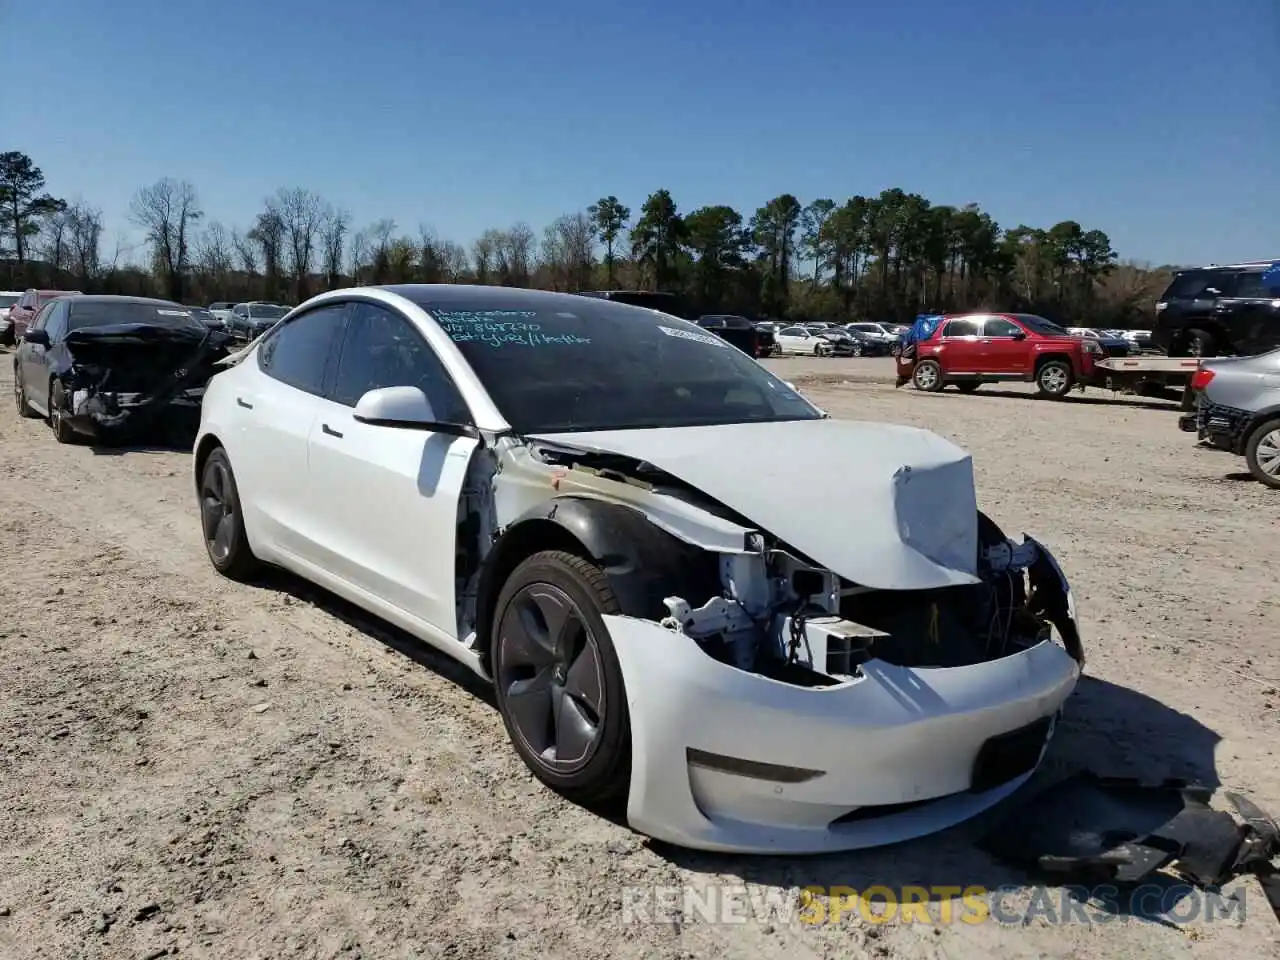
point(125, 378)
point(776, 705)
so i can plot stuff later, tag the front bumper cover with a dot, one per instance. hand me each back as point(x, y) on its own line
point(814, 764)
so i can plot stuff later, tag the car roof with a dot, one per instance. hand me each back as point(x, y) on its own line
point(139, 301)
point(1246, 265)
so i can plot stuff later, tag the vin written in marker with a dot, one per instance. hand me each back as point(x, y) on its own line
point(522, 339)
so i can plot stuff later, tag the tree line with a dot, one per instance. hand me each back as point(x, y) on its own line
point(886, 257)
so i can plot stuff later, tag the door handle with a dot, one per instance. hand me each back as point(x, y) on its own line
point(330, 431)
point(244, 403)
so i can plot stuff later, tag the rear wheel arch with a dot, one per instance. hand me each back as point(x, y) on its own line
point(208, 443)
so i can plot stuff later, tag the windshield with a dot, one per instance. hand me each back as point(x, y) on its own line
point(90, 313)
point(1040, 325)
point(555, 364)
point(262, 311)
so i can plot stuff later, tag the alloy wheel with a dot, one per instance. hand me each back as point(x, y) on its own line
point(926, 377)
point(217, 511)
point(1267, 453)
point(1054, 379)
point(551, 678)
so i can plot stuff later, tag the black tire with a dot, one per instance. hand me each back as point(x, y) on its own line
point(968, 386)
point(560, 581)
point(1054, 379)
point(219, 499)
point(62, 431)
point(818, 351)
point(20, 396)
point(927, 376)
point(1200, 344)
point(1256, 437)
point(855, 350)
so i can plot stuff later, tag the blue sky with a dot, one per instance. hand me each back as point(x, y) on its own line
point(1150, 119)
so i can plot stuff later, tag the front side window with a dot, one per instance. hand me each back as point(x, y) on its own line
point(382, 349)
point(298, 352)
point(1000, 327)
point(56, 320)
point(42, 318)
point(556, 363)
point(795, 332)
point(1249, 286)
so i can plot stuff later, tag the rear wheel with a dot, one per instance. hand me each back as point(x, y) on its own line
point(927, 376)
point(558, 682)
point(1054, 379)
point(222, 521)
point(1262, 453)
point(20, 395)
point(1200, 344)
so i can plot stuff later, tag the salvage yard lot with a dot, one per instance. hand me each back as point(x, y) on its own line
point(230, 771)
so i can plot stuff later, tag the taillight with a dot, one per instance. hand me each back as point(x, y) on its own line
point(1200, 379)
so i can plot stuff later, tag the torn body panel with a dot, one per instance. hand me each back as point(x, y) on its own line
point(912, 705)
point(127, 375)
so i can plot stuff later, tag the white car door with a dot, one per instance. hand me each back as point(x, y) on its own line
point(277, 393)
point(795, 340)
point(389, 495)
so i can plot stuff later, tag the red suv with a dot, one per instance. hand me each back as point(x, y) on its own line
point(24, 311)
point(976, 348)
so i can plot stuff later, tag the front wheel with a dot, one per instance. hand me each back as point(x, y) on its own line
point(558, 681)
point(222, 520)
point(1262, 454)
point(62, 431)
point(927, 376)
point(1054, 379)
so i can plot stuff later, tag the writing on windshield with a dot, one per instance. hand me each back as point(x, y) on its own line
point(498, 328)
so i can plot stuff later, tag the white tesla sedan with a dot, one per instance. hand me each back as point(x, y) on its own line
point(593, 505)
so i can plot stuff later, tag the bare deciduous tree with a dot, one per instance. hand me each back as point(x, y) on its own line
point(514, 255)
point(302, 213)
point(167, 211)
point(333, 237)
point(245, 254)
point(568, 252)
point(85, 225)
point(268, 234)
point(215, 254)
point(483, 252)
point(380, 241)
point(358, 256)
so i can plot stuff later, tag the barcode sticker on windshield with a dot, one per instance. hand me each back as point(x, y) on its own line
point(690, 335)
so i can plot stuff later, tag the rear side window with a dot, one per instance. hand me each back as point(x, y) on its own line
point(960, 328)
point(1196, 283)
point(298, 352)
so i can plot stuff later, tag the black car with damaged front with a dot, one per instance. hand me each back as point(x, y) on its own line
point(109, 367)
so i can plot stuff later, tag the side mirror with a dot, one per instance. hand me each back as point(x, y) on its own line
point(39, 338)
point(405, 407)
point(1020, 335)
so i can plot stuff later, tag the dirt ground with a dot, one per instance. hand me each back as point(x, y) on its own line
point(213, 770)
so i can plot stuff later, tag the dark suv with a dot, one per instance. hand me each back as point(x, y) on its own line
point(1220, 311)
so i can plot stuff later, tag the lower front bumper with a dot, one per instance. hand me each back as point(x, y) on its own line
point(880, 759)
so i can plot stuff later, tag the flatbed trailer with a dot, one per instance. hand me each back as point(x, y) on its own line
point(1139, 373)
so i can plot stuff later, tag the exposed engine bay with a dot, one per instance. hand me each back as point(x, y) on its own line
point(749, 599)
point(130, 374)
